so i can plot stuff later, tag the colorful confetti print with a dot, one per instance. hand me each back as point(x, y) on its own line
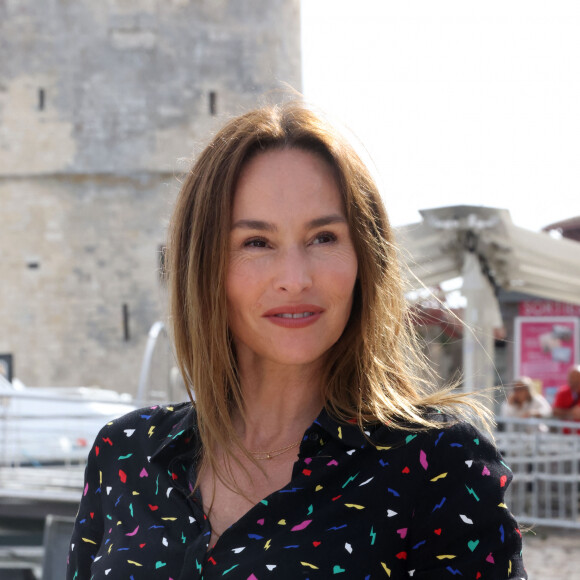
point(426, 505)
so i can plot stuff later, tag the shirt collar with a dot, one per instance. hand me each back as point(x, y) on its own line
point(182, 438)
point(184, 435)
point(348, 434)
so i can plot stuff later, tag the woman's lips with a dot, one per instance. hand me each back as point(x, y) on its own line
point(294, 316)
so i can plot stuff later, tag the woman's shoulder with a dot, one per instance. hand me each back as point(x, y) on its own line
point(446, 459)
point(147, 426)
point(454, 436)
point(161, 416)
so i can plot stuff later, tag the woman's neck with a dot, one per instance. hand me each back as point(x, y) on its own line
point(280, 404)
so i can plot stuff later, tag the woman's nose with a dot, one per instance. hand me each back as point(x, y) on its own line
point(293, 271)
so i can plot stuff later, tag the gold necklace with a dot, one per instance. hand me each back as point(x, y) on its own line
point(263, 455)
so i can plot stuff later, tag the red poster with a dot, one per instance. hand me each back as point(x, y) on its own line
point(545, 349)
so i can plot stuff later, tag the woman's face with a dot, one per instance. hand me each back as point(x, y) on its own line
point(292, 265)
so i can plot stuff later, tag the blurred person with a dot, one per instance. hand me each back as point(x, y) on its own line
point(523, 402)
point(310, 447)
point(566, 404)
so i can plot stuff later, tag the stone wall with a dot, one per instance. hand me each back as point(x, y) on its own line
point(98, 103)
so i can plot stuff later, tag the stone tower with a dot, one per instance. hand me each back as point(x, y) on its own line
point(98, 102)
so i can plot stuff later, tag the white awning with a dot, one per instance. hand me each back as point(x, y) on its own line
point(511, 257)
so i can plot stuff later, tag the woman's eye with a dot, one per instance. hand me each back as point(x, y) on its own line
point(255, 243)
point(324, 238)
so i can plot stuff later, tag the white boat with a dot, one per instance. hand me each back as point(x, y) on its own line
point(40, 426)
point(53, 425)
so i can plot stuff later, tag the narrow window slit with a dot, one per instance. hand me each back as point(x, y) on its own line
point(213, 103)
point(126, 334)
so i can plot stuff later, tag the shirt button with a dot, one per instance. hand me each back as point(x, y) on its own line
point(313, 436)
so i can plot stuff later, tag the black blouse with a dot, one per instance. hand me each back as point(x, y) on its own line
point(421, 505)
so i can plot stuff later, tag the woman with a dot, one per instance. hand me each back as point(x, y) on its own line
point(524, 403)
point(313, 447)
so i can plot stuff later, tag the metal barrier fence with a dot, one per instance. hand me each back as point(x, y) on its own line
point(544, 456)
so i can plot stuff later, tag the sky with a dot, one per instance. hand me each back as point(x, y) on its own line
point(455, 102)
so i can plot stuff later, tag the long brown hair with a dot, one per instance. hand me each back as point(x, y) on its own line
point(374, 373)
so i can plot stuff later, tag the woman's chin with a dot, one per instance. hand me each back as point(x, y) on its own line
point(288, 358)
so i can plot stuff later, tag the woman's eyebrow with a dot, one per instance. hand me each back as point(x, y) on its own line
point(326, 221)
point(260, 225)
point(254, 225)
